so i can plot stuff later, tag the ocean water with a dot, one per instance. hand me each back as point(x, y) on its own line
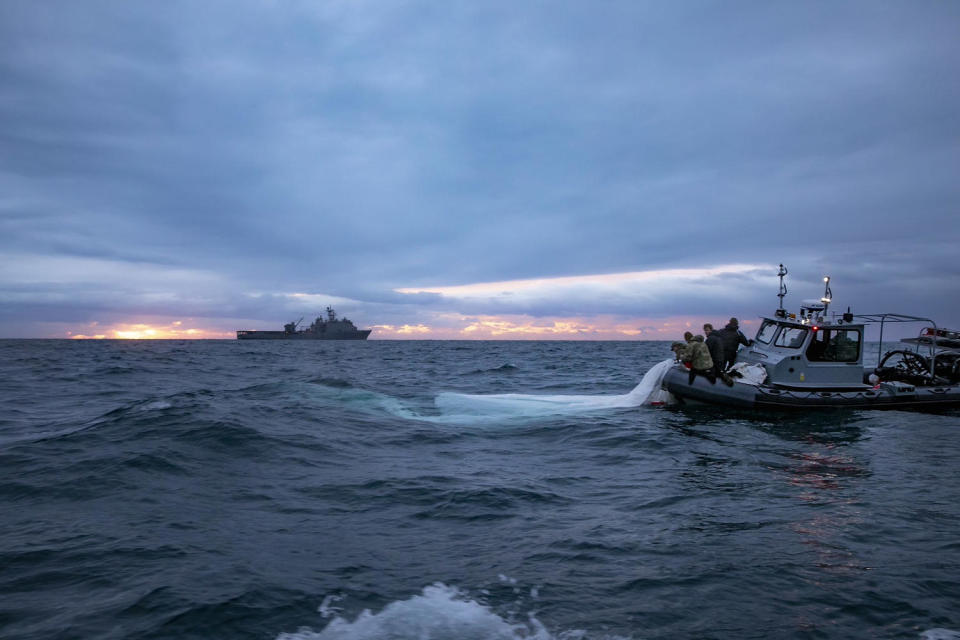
point(495, 490)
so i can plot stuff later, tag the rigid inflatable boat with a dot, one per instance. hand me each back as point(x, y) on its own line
point(812, 360)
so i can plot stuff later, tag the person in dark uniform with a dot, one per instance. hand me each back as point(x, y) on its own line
point(715, 347)
point(730, 339)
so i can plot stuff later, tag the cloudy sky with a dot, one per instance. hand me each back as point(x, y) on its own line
point(472, 169)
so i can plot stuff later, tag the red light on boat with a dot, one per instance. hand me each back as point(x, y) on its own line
point(816, 328)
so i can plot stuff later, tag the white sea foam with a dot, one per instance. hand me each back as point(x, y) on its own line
point(440, 611)
point(464, 405)
point(157, 405)
point(326, 607)
point(940, 634)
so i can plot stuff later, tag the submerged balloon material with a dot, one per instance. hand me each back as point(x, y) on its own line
point(464, 406)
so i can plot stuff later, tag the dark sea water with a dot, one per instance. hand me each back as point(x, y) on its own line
point(224, 489)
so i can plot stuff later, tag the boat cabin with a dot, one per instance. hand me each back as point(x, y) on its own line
point(809, 351)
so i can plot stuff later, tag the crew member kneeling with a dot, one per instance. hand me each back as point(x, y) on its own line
point(699, 358)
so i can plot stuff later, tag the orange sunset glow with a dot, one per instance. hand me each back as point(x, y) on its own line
point(445, 327)
point(528, 328)
point(139, 331)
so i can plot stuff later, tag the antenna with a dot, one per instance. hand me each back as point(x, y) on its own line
point(781, 313)
point(827, 294)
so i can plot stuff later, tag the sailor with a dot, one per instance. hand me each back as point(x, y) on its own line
point(679, 351)
point(715, 347)
point(731, 338)
point(699, 357)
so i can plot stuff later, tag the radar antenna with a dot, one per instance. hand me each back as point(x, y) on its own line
point(781, 312)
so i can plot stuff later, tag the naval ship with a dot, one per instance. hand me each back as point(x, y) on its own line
point(333, 328)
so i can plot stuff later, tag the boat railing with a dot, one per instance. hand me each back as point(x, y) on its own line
point(883, 318)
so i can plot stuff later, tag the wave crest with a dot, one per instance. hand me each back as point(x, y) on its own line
point(439, 612)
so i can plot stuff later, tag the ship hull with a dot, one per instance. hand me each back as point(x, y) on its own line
point(360, 334)
point(749, 396)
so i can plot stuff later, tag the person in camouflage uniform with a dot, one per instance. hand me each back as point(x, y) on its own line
point(699, 358)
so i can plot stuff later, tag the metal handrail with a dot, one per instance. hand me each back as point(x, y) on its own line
point(882, 318)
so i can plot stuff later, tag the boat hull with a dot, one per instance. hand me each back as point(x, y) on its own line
point(360, 334)
point(749, 396)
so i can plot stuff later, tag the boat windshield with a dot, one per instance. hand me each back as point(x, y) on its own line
point(835, 345)
point(791, 337)
point(766, 331)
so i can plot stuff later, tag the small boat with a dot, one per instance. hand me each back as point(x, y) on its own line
point(812, 360)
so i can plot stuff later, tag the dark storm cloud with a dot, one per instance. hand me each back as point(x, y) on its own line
point(198, 159)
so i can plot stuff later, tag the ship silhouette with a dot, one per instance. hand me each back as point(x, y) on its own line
point(331, 328)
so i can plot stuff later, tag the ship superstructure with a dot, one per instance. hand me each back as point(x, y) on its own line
point(329, 328)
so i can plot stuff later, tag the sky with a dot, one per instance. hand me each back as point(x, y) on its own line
point(473, 170)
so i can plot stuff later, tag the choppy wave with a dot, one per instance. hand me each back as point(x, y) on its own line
point(347, 395)
point(940, 634)
point(220, 489)
point(441, 611)
point(504, 368)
